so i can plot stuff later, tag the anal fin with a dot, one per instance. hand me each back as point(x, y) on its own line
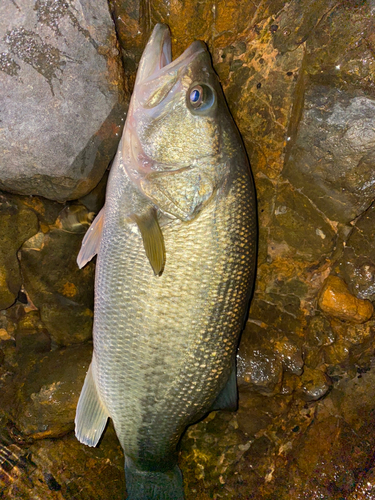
point(91, 415)
point(228, 397)
point(153, 240)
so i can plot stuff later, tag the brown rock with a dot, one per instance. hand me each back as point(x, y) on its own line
point(17, 224)
point(336, 300)
point(58, 288)
point(47, 392)
point(314, 384)
point(57, 469)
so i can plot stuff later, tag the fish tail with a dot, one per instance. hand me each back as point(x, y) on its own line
point(153, 485)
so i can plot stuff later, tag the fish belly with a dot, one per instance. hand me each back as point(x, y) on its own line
point(164, 346)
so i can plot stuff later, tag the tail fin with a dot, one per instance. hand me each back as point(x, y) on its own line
point(150, 485)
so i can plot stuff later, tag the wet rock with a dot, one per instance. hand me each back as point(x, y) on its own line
point(209, 452)
point(264, 370)
point(299, 80)
point(132, 30)
point(31, 335)
point(256, 412)
point(46, 210)
point(257, 363)
point(357, 264)
point(94, 201)
point(59, 289)
point(365, 488)
point(294, 216)
point(331, 160)
point(63, 468)
point(290, 355)
point(314, 384)
point(336, 300)
point(17, 224)
point(47, 392)
point(326, 461)
point(63, 96)
point(337, 51)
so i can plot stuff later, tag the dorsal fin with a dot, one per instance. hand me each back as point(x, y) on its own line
point(91, 241)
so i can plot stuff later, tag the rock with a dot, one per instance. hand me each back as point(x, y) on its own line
point(59, 289)
point(298, 229)
point(17, 224)
point(365, 488)
point(62, 96)
point(46, 210)
point(299, 80)
point(63, 468)
point(335, 53)
point(256, 412)
point(47, 391)
point(357, 264)
point(330, 457)
point(259, 366)
point(31, 335)
point(331, 160)
point(314, 384)
point(209, 451)
point(336, 300)
point(94, 201)
point(290, 355)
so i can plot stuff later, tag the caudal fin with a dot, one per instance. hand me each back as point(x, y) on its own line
point(141, 485)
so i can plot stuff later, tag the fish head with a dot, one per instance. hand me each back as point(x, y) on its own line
point(175, 137)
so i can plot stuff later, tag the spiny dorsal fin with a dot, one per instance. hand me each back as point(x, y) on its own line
point(91, 241)
point(153, 240)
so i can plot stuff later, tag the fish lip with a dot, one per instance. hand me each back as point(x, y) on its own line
point(157, 57)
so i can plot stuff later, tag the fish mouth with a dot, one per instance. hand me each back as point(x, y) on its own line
point(157, 56)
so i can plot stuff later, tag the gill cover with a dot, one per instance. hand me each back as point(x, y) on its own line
point(176, 100)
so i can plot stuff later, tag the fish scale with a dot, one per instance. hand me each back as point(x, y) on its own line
point(176, 246)
point(154, 337)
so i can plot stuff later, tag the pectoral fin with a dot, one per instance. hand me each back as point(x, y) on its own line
point(91, 241)
point(153, 240)
point(227, 398)
point(91, 415)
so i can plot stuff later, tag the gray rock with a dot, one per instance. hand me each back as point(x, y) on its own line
point(62, 105)
point(332, 159)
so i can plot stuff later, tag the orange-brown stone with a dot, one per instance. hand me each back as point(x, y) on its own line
point(336, 300)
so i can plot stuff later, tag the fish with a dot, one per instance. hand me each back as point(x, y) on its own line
point(176, 250)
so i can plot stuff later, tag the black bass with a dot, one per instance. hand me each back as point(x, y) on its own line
point(176, 246)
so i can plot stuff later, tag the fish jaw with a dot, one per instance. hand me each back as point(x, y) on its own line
point(157, 54)
point(158, 158)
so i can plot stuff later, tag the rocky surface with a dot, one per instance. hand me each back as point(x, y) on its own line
point(62, 101)
point(17, 224)
point(62, 293)
point(299, 79)
point(336, 300)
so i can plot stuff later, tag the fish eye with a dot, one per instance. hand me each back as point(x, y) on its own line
point(200, 98)
point(196, 96)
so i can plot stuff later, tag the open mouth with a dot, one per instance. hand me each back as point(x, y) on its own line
point(157, 55)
